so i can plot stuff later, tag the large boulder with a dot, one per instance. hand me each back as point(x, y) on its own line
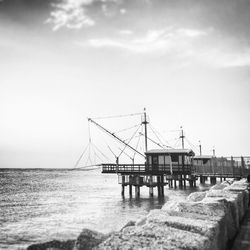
point(53, 245)
point(241, 188)
point(88, 239)
point(220, 186)
point(212, 212)
point(153, 236)
point(235, 203)
point(196, 196)
point(202, 226)
point(230, 221)
point(209, 208)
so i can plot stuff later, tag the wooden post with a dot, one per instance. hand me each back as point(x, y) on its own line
point(137, 191)
point(123, 185)
point(171, 183)
point(130, 185)
point(159, 185)
point(130, 190)
point(151, 189)
point(122, 192)
point(162, 185)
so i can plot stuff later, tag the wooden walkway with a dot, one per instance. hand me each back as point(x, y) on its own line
point(242, 241)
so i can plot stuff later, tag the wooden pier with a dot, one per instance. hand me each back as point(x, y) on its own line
point(176, 167)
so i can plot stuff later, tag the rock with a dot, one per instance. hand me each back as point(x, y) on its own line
point(242, 190)
point(152, 236)
point(196, 196)
point(88, 239)
point(208, 208)
point(202, 226)
point(141, 221)
point(53, 245)
point(235, 203)
point(229, 209)
point(128, 224)
point(219, 186)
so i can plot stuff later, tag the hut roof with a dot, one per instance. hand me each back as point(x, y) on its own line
point(189, 152)
point(200, 157)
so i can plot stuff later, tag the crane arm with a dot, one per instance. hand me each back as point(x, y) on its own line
point(116, 137)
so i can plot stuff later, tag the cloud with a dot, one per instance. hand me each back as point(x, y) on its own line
point(70, 14)
point(164, 40)
point(184, 46)
point(214, 32)
point(73, 14)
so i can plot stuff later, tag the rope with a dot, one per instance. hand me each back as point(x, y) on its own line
point(156, 135)
point(162, 137)
point(192, 145)
point(117, 116)
point(125, 129)
point(101, 152)
point(79, 159)
point(177, 143)
point(137, 144)
point(130, 140)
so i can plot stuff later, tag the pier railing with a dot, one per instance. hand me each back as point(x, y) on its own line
point(223, 167)
point(218, 167)
point(147, 169)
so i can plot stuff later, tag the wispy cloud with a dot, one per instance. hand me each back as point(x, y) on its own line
point(70, 14)
point(185, 46)
point(73, 14)
point(164, 40)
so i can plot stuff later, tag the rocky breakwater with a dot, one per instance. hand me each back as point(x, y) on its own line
point(205, 220)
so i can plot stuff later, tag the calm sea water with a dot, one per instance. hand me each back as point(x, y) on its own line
point(42, 205)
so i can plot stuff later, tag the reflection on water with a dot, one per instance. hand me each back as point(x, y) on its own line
point(41, 205)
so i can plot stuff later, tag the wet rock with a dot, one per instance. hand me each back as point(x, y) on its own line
point(141, 221)
point(53, 245)
point(196, 196)
point(230, 221)
point(219, 186)
point(152, 236)
point(235, 203)
point(209, 208)
point(199, 226)
point(242, 190)
point(130, 223)
point(88, 239)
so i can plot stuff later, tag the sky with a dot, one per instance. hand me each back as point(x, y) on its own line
point(186, 61)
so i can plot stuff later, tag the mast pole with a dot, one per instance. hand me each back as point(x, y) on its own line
point(182, 138)
point(200, 146)
point(145, 122)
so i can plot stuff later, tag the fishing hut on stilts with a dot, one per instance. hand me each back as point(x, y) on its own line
point(162, 166)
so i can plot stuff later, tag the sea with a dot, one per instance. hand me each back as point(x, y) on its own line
point(39, 205)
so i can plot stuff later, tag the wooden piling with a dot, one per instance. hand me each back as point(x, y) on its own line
point(130, 190)
point(123, 190)
point(137, 191)
point(159, 185)
point(151, 191)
